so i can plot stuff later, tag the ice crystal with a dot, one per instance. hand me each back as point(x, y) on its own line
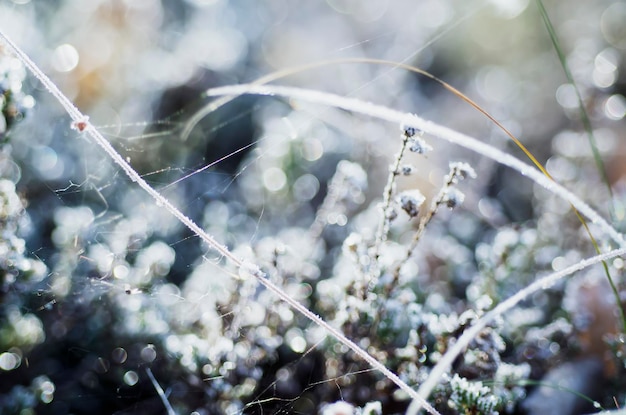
point(452, 197)
point(419, 146)
point(338, 408)
point(472, 397)
point(411, 201)
point(407, 170)
point(408, 129)
point(462, 170)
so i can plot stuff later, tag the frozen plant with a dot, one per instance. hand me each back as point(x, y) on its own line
point(448, 195)
point(418, 145)
point(13, 101)
point(21, 276)
point(339, 408)
point(197, 323)
point(413, 138)
point(472, 397)
point(415, 144)
point(509, 384)
point(344, 408)
point(459, 171)
point(407, 169)
point(410, 201)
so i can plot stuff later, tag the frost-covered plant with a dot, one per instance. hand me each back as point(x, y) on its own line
point(471, 397)
point(13, 101)
point(21, 275)
point(303, 216)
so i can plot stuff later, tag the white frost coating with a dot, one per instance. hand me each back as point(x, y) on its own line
point(388, 114)
point(419, 146)
point(541, 284)
point(79, 117)
point(249, 269)
point(411, 201)
point(374, 111)
point(463, 170)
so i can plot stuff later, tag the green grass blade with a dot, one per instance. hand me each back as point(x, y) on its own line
point(592, 142)
point(584, 117)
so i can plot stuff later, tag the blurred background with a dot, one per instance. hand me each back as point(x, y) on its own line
point(100, 284)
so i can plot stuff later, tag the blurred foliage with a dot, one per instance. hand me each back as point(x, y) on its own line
point(98, 283)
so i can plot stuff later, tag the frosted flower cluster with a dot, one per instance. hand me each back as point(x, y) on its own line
point(137, 313)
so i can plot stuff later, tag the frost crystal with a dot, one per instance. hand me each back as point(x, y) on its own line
point(408, 129)
point(453, 197)
point(353, 174)
point(472, 397)
point(462, 170)
point(407, 170)
point(352, 242)
point(338, 408)
point(410, 201)
point(248, 269)
point(419, 146)
point(391, 214)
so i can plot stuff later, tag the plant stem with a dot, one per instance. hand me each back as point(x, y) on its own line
point(383, 225)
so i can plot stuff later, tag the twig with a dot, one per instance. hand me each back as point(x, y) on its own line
point(385, 219)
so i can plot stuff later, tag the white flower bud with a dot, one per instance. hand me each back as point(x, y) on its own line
point(410, 201)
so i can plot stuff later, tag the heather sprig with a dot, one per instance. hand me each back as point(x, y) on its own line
point(449, 195)
point(411, 139)
point(363, 312)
